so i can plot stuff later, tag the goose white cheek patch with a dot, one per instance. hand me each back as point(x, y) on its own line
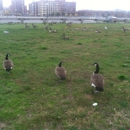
point(93, 85)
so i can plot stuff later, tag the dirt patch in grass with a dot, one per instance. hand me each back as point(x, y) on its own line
point(2, 126)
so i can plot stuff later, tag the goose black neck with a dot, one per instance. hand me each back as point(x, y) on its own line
point(97, 69)
point(60, 64)
point(6, 57)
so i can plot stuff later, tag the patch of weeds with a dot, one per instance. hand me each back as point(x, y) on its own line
point(66, 52)
point(128, 57)
point(95, 41)
point(33, 56)
point(117, 44)
point(123, 104)
point(43, 48)
point(124, 65)
point(79, 34)
point(52, 58)
point(42, 37)
point(72, 128)
point(79, 43)
point(102, 41)
point(66, 102)
point(31, 43)
point(27, 87)
point(122, 77)
point(19, 91)
point(8, 90)
point(122, 128)
point(105, 45)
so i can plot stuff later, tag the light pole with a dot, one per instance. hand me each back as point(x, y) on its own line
point(33, 7)
point(16, 12)
point(47, 10)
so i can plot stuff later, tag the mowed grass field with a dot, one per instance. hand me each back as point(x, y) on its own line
point(31, 96)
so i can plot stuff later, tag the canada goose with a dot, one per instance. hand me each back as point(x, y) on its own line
point(34, 26)
point(6, 31)
point(44, 23)
point(84, 28)
point(97, 31)
point(97, 80)
point(51, 23)
point(65, 37)
point(10, 23)
point(26, 26)
point(106, 27)
point(52, 31)
point(60, 71)
point(125, 29)
point(7, 64)
point(69, 24)
point(46, 27)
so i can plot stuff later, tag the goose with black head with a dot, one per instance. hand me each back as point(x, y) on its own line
point(60, 71)
point(7, 64)
point(97, 80)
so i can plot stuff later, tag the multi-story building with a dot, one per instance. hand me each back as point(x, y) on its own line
point(52, 8)
point(1, 7)
point(70, 8)
point(17, 7)
point(33, 8)
point(60, 0)
point(49, 8)
point(25, 10)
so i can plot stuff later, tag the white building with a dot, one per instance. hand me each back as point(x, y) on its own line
point(49, 8)
point(1, 7)
point(53, 7)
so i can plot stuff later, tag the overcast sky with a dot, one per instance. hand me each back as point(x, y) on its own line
point(91, 4)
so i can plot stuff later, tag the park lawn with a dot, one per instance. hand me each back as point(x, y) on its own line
point(31, 96)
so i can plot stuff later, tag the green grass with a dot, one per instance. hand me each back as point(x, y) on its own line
point(31, 96)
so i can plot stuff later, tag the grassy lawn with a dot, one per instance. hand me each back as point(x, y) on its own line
point(31, 96)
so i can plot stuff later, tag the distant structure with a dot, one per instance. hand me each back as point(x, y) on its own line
point(1, 7)
point(103, 13)
point(33, 8)
point(17, 7)
point(52, 8)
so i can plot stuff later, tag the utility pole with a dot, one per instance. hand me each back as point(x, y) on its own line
point(47, 10)
point(33, 7)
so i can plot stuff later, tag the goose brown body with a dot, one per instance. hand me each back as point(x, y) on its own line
point(60, 71)
point(7, 64)
point(97, 80)
point(34, 26)
point(52, 31)
point(65, 37)
point(27, 26)
point(125, 29)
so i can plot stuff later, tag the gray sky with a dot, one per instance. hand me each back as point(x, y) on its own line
point(91, 4)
